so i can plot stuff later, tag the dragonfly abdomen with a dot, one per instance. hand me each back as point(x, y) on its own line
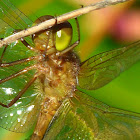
point(48, 110)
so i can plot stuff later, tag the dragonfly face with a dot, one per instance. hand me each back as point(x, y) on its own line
point(42, 88)
point(56, 38)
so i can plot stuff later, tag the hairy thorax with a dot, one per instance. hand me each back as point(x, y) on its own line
point(58, 75)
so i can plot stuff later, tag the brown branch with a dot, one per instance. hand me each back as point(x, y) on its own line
point(60, 19)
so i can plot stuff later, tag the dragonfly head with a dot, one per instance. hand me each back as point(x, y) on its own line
point(54, 39)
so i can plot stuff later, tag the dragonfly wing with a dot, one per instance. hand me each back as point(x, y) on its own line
point(101, 69)
point(83, 117)
point(19, 117)
point(13, 17)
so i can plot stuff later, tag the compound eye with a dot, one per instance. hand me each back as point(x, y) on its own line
point(63, 35)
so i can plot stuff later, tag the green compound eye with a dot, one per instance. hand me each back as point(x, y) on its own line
point(63, 36)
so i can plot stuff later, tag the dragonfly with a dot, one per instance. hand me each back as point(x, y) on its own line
point(39, 76)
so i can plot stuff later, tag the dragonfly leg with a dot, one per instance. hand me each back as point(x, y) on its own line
point(75, 43)
point(25, 42)
point(17, 74)
point(20, 93)
point(27, 45)
point(3, 54)
point(14, 62)
point(82, 6)
point(45, 52)
point(17, 62)
point(55, 17)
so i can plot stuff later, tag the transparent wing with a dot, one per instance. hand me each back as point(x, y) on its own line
point(83, 117)
point(13, 17)
point(103, 68)
point(22, 115)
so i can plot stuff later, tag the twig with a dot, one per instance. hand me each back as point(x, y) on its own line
point(60, 19)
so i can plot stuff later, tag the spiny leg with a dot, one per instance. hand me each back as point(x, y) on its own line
point(17, 62)
point(20, 93)
point(75, 43)
point(27, 45)
point(3, 54)
point(17, 74)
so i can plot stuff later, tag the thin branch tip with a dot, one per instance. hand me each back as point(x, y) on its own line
point(60, 19)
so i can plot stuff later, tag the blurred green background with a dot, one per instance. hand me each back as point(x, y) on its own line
point(101, 30)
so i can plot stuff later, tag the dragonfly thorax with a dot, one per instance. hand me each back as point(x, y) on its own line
point(58, 75)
